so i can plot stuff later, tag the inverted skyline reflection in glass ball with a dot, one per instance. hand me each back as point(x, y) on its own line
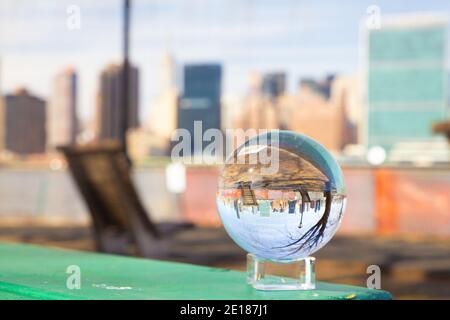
point(281, 196)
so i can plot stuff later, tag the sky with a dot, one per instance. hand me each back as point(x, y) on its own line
point(304, 38)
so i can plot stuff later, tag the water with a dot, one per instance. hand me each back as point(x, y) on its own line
point(52, 195)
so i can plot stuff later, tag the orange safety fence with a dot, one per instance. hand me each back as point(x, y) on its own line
point(379, 200)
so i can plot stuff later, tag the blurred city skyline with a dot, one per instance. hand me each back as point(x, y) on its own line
point(300, 38)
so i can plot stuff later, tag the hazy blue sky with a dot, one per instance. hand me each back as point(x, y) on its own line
point(304, 38)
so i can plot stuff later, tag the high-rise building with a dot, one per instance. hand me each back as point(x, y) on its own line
point(201, 98)
point(345, 94)
point(24, 123)
point(310, 113)
point(231, 107)
point(322, 87)
point(62, 124)
point(259, 109)
point(2, 122)
point(109, 112)
point(273, 84)
point(2, 112)
point(258, 112)
point(163, 117)
point(406, 79)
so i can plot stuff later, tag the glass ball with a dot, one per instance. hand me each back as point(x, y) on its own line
point(281, 196)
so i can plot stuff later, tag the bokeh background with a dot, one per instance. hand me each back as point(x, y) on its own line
point(369, 80)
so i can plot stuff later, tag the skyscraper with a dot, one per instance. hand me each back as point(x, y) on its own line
point(163, 117)
point(311, 113)
point(273, 84)
point(201, 97)
point(24, 123)
point(259, 110)
point(110, 101)
point(406, 79)
point(62, 124)
point(345, 94)
point(2, 112)
point(322, 87)
point(2, 123)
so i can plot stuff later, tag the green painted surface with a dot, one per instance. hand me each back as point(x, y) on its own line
point(32, 272)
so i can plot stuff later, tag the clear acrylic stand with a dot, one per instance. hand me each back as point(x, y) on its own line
point(265, 274)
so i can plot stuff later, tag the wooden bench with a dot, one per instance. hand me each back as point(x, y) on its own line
point(122, 225)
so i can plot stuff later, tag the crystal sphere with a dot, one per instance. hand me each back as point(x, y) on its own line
point(281, 196)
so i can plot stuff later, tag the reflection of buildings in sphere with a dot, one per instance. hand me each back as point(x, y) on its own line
point(291, 212)
point(277, 235)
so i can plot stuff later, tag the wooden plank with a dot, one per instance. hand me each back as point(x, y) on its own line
point(33, 272)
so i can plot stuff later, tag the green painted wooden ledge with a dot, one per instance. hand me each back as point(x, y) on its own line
point(33, 272)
